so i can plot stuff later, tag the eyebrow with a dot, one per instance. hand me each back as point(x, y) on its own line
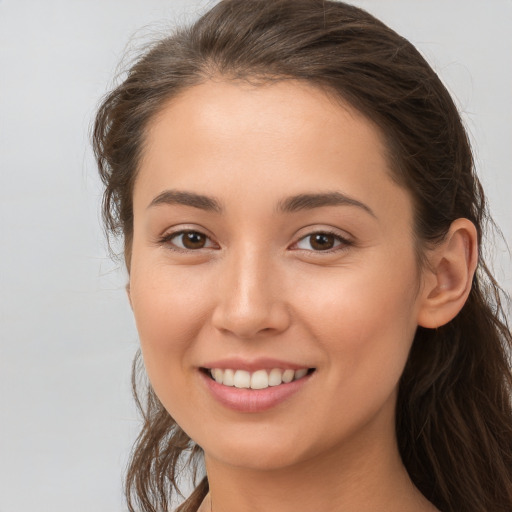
point(288, 205)
point(310, 201)
point(200, 201)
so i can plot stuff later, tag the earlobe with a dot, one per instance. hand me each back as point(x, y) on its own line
point(447, 282)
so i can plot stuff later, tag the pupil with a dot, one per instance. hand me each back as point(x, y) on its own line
point(322, 241)
point(193, 240)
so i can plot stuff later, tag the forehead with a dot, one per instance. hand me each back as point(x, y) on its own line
point(280, 113)
point(282, 138)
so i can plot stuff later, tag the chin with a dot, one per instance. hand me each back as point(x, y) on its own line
point(255, 459)
point(260, 451)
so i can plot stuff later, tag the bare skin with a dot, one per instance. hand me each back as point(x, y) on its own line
point(229, 265)
point(360, 485)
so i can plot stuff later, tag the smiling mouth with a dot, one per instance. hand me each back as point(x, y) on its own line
point(260, 379)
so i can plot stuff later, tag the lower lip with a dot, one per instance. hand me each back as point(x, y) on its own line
point(253, 400)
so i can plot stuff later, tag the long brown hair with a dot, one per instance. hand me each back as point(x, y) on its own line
point(454, 414)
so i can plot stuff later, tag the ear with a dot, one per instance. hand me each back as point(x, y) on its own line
point(449, 275)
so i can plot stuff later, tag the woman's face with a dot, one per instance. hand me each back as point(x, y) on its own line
point(269, 236)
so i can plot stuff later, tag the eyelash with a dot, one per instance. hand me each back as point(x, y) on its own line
point(343, 243)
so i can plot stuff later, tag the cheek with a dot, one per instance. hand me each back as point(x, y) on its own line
point(170, 307)
point(364, 320)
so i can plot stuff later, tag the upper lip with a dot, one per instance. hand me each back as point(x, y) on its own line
point(261, 363)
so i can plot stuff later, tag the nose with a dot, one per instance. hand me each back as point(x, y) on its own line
point(250, 299)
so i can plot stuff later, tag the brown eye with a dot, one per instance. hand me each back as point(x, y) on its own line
point(194, 240)
point(321, 241)
point(190, 240)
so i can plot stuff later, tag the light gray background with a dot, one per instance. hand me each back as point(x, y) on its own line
point(66, 332)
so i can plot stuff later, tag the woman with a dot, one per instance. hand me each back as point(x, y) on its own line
point(301, 224)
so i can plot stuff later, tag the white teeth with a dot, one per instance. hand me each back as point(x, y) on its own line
point(300, 373)
point(275, 377)
point(217, 374)
point(260, 379)
point(229, 378)
point(288, 376)
point(242, 379)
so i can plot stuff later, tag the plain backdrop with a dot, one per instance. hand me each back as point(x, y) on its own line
point(67, 336)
